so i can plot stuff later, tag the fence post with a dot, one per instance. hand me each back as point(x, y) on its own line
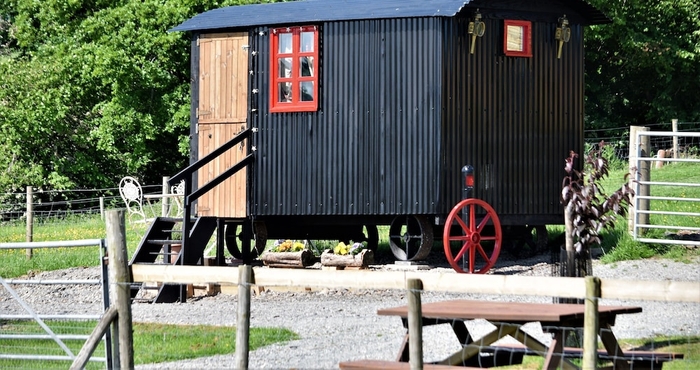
point(674, 124)
point(245, 274)
point(590, 324)
point(641, 168)
point(102, 208)
point(165, 202)
point(30, 220)
point(119, 286)
point(415, 324)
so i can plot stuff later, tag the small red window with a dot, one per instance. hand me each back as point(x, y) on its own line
point(517, 38)
point(294, 66)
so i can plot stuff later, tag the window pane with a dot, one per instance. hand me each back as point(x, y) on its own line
point(285, 43)
point(285, 67)
point(285, 92)
point(515, 38)
point(307, 91)
point(306, 64)
point(307, 42)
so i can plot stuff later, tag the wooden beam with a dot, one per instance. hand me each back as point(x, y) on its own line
point(666, 290)
point(670, 291)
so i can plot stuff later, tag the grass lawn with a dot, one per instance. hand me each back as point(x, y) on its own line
point(153, 343)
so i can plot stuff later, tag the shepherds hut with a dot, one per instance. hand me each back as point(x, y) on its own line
point(336, 116)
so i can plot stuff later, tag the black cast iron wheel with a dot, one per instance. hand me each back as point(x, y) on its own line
point(411, 237)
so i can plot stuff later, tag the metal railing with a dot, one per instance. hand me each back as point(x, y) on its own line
point(187, 175)
point(42, 319)
point(643, 200)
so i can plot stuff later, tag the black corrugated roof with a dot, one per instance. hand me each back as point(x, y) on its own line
point(335, 10)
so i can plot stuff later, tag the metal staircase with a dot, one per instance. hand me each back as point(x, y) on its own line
point(174, 241)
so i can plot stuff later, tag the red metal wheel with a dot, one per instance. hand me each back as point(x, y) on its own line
point(472, 237)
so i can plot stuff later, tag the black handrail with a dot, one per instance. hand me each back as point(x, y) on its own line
point(190, 195)
point(187, 172)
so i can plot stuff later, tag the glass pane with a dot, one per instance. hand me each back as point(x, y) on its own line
point(307, 42)
point(306, 64)
point(285, 67)
point(285, 43)
point(307, 91)
point(285, 92)
point(515, 38)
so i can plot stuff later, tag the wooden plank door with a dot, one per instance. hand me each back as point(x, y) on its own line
point(223, 105)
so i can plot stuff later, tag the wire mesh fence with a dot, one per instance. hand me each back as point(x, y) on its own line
point(330, 326)
point(617, 141)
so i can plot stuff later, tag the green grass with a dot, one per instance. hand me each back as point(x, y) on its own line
point(619, 245)
point(15, 262)
point(153, 343)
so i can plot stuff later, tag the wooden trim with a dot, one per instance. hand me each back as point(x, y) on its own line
point(669, 291)
point(295, 79)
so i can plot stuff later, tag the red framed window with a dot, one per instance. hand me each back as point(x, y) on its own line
point(517, 38)
point(294, 62)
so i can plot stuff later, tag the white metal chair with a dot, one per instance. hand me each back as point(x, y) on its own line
point(132, 194)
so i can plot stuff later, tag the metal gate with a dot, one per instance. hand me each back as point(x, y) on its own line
point(13, 328)
point(685, 229)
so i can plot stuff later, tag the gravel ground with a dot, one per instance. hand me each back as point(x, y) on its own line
point(340, 325)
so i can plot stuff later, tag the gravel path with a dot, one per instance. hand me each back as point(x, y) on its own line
point(339, 325)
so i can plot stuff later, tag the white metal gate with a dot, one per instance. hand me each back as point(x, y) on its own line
point(645, 203)
point(42, 318)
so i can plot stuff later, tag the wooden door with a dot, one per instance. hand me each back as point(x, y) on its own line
point(222, 112)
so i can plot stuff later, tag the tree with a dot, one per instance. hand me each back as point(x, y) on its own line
point(92, 90)
point(644, 67)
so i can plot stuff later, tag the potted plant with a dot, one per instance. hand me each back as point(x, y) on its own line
point(288, 253)
point(341, 256)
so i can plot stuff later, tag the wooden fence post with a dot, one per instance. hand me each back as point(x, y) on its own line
point(590, 324)
point(165, 202)
point(119, 285)
point(102, 208)
point(30, 220)
point(245, 280)
point(674, 124)
point(415, 324)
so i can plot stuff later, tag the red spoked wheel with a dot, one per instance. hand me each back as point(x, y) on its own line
point(472, 237)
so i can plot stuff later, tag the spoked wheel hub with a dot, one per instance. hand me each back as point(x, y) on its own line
point(472, 237)
point(410, 237)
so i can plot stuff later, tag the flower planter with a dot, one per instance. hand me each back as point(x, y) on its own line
point(360, 260)
point(300, 259)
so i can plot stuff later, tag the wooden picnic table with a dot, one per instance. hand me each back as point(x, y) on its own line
point(508, 317)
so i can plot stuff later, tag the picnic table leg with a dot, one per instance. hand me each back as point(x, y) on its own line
point(553, 355)
point(611, 345)
point(458, 327)
point(459, 357)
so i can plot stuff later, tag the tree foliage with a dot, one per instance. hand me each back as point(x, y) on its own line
point(644, 67)
point(92, 90)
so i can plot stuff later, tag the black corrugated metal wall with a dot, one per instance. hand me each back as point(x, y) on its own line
point(373, 146)
point(514, 119)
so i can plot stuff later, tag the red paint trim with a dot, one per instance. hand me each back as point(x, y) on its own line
point(295, 105)
point(527, 38)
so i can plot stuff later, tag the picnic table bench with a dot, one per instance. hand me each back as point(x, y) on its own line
point(508, 317)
